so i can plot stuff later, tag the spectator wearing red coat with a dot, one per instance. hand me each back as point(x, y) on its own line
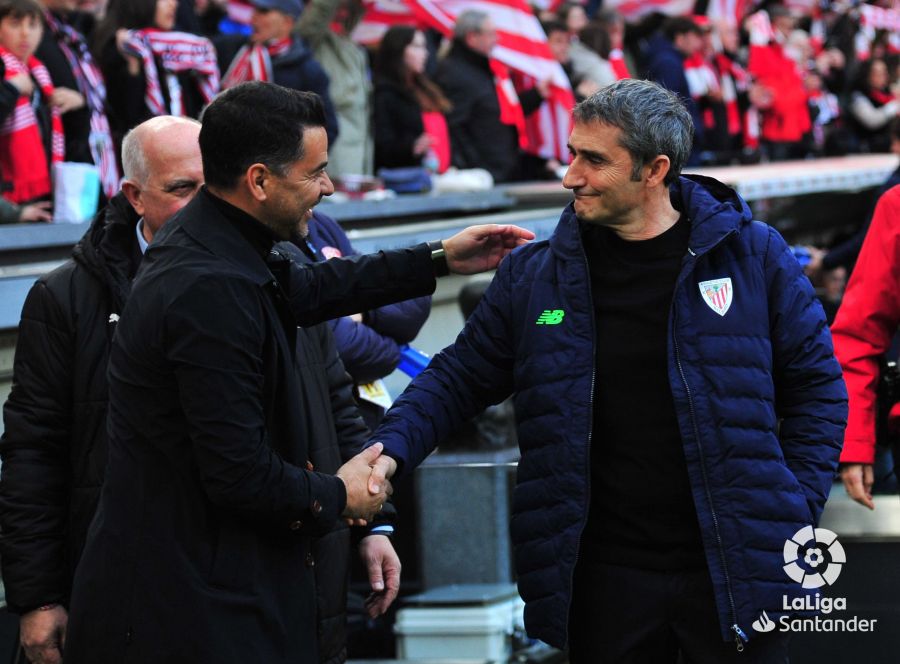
point(784, 114)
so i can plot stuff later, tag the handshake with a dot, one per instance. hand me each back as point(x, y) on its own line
point(367, 480)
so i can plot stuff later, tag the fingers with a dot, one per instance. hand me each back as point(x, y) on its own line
point(383, 468)
point(858, 480)
point(383, 567)
point(510, 233)
point(370, 454)
point(373, 568)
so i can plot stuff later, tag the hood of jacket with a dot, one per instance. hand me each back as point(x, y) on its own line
point(107, 250)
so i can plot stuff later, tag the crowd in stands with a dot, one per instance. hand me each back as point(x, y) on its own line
point(777, 84)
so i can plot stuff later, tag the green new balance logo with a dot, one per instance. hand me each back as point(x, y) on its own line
point(550, 317)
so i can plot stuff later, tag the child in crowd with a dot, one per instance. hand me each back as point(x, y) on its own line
point(31, 135)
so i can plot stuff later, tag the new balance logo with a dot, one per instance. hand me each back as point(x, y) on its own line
point(550, 317)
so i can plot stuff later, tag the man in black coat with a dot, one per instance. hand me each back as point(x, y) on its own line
point(54, 444)
point(201, 547)
point(478, 137)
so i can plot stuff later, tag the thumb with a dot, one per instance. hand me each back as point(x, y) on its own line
point(376, 580)
point(377, 478)
point(371, 453)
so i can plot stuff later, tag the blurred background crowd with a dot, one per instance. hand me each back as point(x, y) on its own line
point(464, 84)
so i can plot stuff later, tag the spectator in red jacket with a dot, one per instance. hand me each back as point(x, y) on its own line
point(784, 111)
point(865, 324)
point(31, 133)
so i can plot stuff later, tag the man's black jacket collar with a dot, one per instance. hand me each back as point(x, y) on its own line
point(225, 231)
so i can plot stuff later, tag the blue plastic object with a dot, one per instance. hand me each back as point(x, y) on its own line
point(412, 361)
point(802, 255)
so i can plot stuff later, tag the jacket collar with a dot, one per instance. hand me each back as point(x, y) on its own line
point(204, 221)
point(108, 250)
point(461, 51)
point(714, 209)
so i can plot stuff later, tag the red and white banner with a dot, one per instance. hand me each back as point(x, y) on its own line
point(633, 10)
point(878, 18)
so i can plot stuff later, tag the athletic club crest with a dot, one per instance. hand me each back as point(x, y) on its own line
point(717, 293)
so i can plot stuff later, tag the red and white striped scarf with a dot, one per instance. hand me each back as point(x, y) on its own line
point(23, 162)
point(254, 62)
point(733, 79)
point(90, 84)
point(178, 52)
point(617, 62)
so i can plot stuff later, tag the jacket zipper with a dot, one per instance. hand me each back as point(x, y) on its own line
point(740, 637)
point(587, 466)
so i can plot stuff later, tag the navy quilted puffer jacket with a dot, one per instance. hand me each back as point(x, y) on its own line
point(760, 401)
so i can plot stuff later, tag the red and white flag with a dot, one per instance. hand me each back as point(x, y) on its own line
point(521, 46)
point(634, 10)
point(379, 17)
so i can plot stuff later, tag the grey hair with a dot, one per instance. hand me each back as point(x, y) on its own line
point(134, 161)
point(134, 158)
point(653, 120)
point(471, 20)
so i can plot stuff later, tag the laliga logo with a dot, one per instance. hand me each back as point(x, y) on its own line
point(816, 544)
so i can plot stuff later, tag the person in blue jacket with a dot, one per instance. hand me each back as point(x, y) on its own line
point(679, 409)
point(679, 39)
point(369, 342)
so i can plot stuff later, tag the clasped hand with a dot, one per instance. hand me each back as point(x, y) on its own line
point(366, 479)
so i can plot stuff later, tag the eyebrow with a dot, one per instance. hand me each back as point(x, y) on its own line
point(590, 154)
point(321, 167)
point(178, 184)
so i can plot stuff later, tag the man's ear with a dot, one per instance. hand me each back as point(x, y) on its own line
point(134, 195)
point(256, 178)
point(657, 170)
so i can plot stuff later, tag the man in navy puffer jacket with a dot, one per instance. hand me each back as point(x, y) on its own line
point(680, 411)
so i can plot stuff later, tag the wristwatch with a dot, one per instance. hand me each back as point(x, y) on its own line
point(439, 258)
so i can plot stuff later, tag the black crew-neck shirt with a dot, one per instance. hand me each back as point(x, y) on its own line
point(642, 512)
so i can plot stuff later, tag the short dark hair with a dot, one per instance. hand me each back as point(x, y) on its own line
point(679, 25)
point(20, 9)
point(554, 25)
point(653, 121)
point(255, 122)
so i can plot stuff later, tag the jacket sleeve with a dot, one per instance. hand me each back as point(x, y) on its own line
point(371, 350)
point(462, 380)
point(10, 213)
point(367, 355)
point(216, 328)
point(870, 116)
point(345, 286)
point(810, 397)
point(866, 322)
point(34, 485)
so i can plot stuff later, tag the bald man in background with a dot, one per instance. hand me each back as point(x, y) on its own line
point(54, 445)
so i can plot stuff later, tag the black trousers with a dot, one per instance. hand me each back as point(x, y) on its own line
point(622, 615)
